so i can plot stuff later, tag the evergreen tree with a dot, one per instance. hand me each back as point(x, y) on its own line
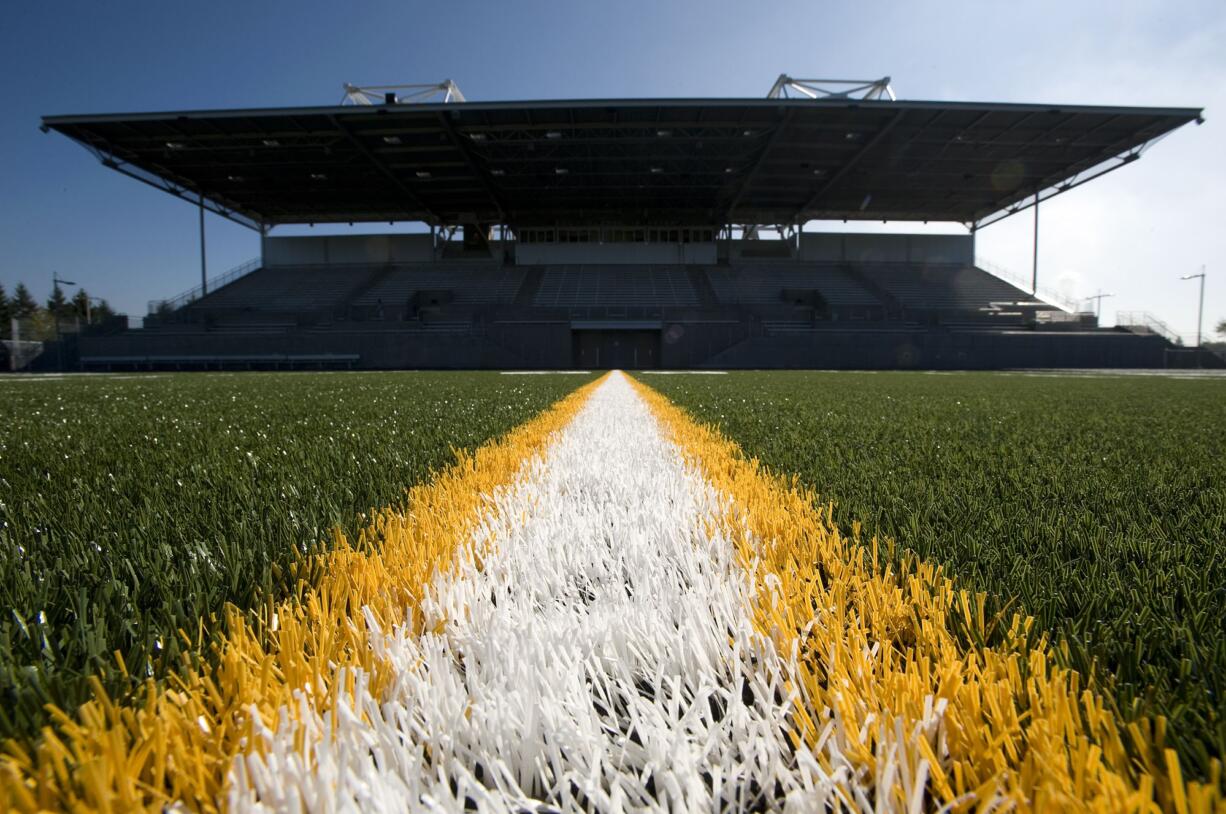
point(6, 314)
point(80, 304)
point(1221, 329)
point(103, 311)
point(57, 303)
point(23, 304)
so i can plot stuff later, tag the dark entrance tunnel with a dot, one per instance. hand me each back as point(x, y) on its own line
point(609, 349)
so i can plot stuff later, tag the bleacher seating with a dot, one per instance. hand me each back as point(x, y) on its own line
point(945, 287)
point(277, 298)
point(764, 284)
point(288, 289)
point(784, 327)
point(590, 286)
point(471, 284)
point(473, 313)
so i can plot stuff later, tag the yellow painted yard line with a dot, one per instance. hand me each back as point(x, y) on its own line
point(883, 678)
point(178, 742)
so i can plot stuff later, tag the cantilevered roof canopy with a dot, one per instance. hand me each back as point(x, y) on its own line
point(625, 162)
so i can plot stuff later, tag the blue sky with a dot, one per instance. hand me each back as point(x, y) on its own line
point(1132, 233)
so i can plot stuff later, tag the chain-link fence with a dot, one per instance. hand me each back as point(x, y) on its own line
point(18, 353)
point(29, 338)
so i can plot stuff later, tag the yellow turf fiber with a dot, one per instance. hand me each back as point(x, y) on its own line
point(177, 742)
point(876, 651)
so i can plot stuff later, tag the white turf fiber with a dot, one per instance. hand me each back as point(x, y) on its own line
point(600, 657)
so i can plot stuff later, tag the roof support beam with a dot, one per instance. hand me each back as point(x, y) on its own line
point(757, 164)
point(459, 143)
point(846, 168)
point(500, 160)
point(194, 196)
point(1123, 155)
point(374, 159)
point(1123, 161)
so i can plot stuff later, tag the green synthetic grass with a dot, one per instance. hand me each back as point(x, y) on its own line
point(133, 507)
point(1097, 505)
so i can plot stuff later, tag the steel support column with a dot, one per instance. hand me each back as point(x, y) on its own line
point(204, 275)
point(1200, 311)
point(265, 228)
point(1034, 275)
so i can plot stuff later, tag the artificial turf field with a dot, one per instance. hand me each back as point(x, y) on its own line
point(1096, 504)
point(135, 508)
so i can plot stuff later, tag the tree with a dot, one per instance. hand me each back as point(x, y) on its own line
point(40, 326)
point(103, 311)
point(6, 314)
point(1221, 329)
point(23, 305)
point(80, 304)
point(57, 303)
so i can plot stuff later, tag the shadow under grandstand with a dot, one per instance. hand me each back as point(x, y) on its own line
point(810, 306)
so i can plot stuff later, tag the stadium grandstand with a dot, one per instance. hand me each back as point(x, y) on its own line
point(622, 233)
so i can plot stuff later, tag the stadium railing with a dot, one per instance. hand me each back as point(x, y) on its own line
point(1145, 322)
point(196, 292)
point(1019, 281)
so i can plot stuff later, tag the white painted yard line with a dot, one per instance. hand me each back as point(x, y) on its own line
point(60, 377)
point(601, 655)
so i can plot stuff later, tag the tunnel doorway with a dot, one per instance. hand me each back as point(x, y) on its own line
point(613, 349)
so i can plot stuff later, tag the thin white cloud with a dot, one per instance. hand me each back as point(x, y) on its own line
point(1135, 232)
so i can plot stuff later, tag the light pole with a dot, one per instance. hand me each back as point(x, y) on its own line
point(59, 346)
point(56, 280)
point(1200, 308)
point(1098, 302)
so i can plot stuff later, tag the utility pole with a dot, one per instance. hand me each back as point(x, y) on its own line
point(59, 346)
point(1098, 302)
point(1200, 307)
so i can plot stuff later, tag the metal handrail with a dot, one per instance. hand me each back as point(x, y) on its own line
point(195, 293)
point(1145, 322)
point(1018, 281)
